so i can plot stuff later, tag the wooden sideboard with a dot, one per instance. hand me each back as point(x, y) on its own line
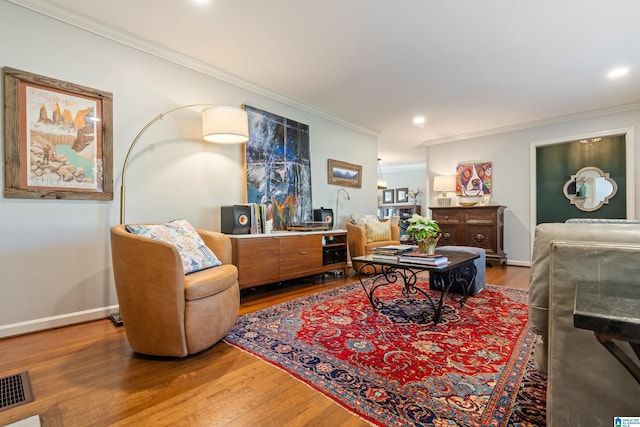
point(270, 258)
point(478, 226)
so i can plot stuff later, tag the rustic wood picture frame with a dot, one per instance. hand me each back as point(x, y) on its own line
point(58, 139)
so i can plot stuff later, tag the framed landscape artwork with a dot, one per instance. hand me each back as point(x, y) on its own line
point(57, 139)
point(278, 167)
point(343, 173)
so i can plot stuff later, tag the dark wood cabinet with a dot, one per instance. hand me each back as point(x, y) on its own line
point(270, 258)
point(478, 226)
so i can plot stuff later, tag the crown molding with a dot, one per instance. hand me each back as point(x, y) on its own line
point(533, 124)
point(404, 167)
point(82, 22)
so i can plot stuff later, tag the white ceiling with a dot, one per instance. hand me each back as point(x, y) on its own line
point(471, 67)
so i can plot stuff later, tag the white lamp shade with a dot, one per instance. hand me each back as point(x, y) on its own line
point(225, 125)
point(444, 183)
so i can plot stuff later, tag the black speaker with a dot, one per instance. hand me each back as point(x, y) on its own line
point(235, 219)
point(324, 215)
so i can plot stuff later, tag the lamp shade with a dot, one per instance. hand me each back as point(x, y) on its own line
point(444, 183)
point(225, 125)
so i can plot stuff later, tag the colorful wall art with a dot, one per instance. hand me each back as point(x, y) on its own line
point(474, 178)
point(278, 167)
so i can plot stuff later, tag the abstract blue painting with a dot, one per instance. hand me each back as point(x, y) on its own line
point(278, 167)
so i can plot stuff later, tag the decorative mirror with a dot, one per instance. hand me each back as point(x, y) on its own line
point(590, 188)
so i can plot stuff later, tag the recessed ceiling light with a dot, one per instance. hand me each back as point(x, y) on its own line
point(618, 72)
point(419, 120)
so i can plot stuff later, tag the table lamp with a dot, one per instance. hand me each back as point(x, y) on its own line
point(444, 184)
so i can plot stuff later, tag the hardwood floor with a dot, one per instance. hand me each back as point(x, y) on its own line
point(87, 375)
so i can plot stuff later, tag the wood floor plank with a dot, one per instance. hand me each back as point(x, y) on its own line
point(87, 375)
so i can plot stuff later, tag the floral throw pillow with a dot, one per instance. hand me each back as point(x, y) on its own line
point(180, 233)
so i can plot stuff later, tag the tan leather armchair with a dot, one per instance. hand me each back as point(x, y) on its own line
point(164, 312)
point(358, 244)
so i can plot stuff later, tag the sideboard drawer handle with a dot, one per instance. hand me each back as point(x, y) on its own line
point(479, 237)
point(446, 236)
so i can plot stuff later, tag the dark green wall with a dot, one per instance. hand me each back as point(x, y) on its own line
point(556, 163)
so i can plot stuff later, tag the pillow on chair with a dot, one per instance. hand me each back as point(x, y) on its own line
point(194, 253)
point(377, 231)
point(361, 220)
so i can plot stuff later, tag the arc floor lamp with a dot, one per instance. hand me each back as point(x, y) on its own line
point(220, 124)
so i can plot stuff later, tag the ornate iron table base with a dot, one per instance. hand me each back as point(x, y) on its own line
point(462, 273)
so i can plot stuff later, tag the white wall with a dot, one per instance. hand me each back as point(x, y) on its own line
point(509, 153)
point(55, 265)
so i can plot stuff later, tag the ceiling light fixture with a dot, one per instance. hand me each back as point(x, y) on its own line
point(590, 140)
point(618, 72)
point(382, 184)
point(419, 120)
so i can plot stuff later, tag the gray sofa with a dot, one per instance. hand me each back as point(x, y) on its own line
point(586, 386)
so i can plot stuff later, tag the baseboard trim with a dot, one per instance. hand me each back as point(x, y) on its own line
point(519, 263)
point(45, 323)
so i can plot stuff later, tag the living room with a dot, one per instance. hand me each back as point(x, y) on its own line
point(56, 262)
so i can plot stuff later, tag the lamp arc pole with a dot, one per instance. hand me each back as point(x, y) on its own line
point(135, 141)
point(347, 196)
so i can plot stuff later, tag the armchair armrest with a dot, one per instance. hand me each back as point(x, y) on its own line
point(357, 239)
point(148, 274)
point(219, 243)
point(395, 232)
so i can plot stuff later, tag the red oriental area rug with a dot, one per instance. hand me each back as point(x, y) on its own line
point(393, 368)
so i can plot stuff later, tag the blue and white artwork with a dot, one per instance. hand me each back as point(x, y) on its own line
point(278, 167)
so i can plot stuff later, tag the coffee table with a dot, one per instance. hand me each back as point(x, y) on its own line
point(460, 270)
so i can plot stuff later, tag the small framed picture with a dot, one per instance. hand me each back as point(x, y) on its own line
point(387, 196)
point(402, 195)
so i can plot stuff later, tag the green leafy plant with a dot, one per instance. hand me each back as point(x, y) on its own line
point(421, 228)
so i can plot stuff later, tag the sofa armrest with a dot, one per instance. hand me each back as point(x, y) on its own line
point(627, 232)
point(585, 382)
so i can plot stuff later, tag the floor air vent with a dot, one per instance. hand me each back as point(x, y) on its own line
point(15, 390)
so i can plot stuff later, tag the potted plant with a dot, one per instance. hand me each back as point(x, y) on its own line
point(425, 231)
